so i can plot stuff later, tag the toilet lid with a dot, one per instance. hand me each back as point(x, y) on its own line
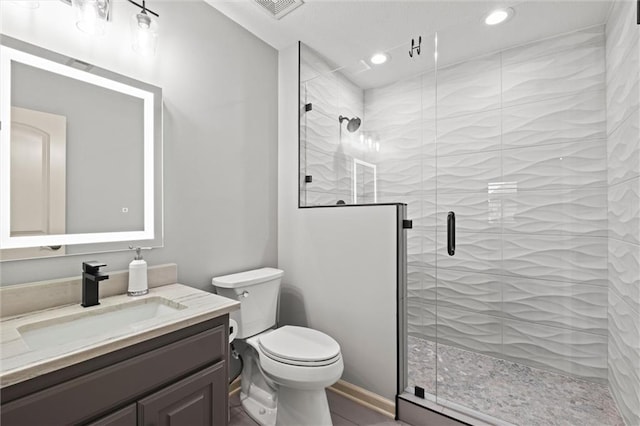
point(299, 344)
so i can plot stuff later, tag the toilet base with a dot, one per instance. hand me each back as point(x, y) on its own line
point(258, 411)
point(297, 407)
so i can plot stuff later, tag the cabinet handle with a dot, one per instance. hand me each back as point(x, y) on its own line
point(451, 233)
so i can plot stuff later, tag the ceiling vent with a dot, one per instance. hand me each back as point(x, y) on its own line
point(279, 8)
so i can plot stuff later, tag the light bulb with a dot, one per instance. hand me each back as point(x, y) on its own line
point(379, 58)
point(91, 15)
point(498, 16)
point(144, 34)
point(144, 22)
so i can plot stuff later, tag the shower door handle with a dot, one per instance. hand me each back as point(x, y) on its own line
point(451, 233)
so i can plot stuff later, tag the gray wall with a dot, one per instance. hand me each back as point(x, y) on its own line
point(339, 263)
point(220, 134)
point(623, 146)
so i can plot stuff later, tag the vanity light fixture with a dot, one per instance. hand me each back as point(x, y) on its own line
point(379, 58)
point(92, 15)
point(144, 30)
point(498, 16)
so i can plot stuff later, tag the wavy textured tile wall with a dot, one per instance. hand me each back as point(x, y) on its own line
point(558, 349)
point(576, 211)
point(479, 212)
point(481, 293)
point(623, 150)
point(527, 179)
point(560, 73)
point(624, 358)
point(468, 173)
point(624, 271)
point(622, 64)
point(578, 117)
point(576, 164)
point(585, 37)
point(469, 134)
point(556, 304)
point(623, 147)
point(469, 87)
point(624, 384)
point(622, 91)
point(566, 258)
point(624, 211)
point(475, 253)
point(469, 330)
point(522, 160)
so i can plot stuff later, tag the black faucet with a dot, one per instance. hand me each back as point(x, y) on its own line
point(91, 276)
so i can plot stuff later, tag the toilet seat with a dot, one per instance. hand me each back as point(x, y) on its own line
point(300, 346)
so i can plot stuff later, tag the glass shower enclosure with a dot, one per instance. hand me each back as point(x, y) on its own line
point(502, 159)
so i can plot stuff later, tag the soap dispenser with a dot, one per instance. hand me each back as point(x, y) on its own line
point(138, 274)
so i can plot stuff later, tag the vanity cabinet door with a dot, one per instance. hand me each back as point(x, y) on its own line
point(200, 399)
point(124, 417)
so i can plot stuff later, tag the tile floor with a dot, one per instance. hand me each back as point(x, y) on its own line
point(508, 390)
point(344, 412)
point(505, 390)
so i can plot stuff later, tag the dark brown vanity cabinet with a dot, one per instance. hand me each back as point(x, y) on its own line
point(127, 416)
point(177, 379)
point(188, 402)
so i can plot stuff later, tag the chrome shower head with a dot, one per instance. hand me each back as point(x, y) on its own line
point(353, 123)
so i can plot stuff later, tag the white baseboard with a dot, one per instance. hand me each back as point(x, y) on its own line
point(365, 398)
point(355, 393)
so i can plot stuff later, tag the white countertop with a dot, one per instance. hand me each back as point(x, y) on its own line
point(19, 362)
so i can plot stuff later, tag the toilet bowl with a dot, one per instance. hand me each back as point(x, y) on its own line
point(286, 369)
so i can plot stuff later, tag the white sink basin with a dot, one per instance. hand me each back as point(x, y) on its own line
point(96, 323)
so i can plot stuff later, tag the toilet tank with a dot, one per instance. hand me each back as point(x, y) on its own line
point(257, 291)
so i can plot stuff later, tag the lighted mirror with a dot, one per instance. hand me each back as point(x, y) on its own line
point(80, 156)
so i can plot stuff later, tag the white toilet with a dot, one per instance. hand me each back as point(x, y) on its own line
point(285, 369)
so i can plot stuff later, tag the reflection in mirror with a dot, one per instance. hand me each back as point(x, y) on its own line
point(81, 153)
point(364, 182)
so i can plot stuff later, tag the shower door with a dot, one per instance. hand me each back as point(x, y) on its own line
point(520, 159)
point(468, 234)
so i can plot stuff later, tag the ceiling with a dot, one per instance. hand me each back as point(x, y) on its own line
point(348, 32)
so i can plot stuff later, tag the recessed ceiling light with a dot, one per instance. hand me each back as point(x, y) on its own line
point(498, 16)
point(379, 58)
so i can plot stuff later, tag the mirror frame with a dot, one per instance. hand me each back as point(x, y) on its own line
point(16, 51)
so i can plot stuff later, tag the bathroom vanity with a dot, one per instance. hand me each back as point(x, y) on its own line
point(160, 359)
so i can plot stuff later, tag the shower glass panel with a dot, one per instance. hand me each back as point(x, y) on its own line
point(508, 129)
point(521, 158)
point(331, 129)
